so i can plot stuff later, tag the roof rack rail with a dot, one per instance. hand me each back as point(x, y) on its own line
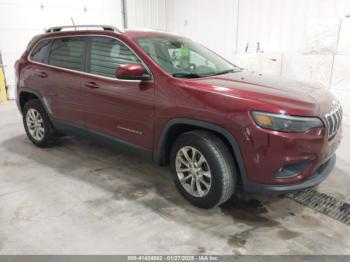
point(75, 27)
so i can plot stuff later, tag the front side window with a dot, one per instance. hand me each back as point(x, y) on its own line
point(107, 54)
point(181, 57)
point(68, 53)
point(41, 51)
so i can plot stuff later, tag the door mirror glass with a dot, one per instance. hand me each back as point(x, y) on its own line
point(132, 72)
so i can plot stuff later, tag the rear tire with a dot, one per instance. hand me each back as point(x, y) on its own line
point(203, 166)
point(37, 125)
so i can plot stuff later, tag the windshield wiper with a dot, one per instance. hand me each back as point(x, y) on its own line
point(187, 75)
point(225, 72)
point(193, 75)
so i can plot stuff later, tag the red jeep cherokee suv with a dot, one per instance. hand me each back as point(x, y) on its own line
point(222, 129)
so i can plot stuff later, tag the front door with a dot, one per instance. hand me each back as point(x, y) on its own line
point(123, 109)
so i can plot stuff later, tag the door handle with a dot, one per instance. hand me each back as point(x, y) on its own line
point(42, 74)
point(92, 85)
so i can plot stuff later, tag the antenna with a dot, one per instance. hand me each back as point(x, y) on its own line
point(73, 23)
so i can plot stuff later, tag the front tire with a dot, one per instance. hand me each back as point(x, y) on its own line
point(204, 171)
point(37, 124)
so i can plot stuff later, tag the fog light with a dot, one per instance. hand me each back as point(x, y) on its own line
point(292, 170)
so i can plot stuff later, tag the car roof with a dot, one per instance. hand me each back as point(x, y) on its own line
point(131, 33)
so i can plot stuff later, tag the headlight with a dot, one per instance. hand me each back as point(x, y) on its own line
point(285, 123)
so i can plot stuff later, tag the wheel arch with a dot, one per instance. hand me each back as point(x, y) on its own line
point(27, 94)
point(177, 126)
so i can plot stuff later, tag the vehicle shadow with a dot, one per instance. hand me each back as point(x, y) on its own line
point(127, 177)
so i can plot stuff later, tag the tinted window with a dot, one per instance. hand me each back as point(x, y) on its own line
point(107, 54)
point(68, 53)
point(41, 51)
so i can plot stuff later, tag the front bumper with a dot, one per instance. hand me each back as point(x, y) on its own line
point(313, 180)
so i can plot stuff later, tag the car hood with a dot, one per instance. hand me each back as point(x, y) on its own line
point(290, 95)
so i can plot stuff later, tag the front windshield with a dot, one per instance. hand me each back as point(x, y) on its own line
point(184, 58)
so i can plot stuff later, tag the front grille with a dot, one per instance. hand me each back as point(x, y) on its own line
point(334, 119)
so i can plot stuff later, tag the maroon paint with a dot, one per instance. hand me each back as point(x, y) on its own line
point(111, 105)
point(130, 71)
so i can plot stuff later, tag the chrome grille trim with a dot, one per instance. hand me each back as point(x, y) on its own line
point(333, 119)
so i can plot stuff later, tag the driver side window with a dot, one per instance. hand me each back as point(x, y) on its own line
point(106, 54)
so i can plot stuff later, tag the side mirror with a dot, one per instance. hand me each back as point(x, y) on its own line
point(132, 72)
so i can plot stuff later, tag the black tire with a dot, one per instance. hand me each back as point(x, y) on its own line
point(221, 166)
point(50, 136)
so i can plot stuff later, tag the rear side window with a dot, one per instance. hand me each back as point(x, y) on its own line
point(107, 54)
point(68, 53)
point(41, 51)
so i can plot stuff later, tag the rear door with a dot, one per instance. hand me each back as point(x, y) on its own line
point(63, 79)
point(36, 75)
point(123, 109)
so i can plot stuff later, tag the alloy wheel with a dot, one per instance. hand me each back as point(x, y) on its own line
point(35, 124)
point(193, 171)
